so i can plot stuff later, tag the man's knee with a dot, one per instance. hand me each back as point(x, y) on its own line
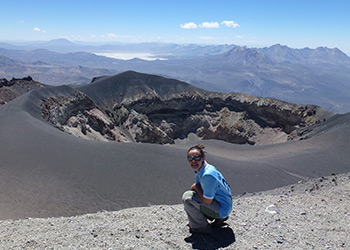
point(188, 195)
point(209, 213)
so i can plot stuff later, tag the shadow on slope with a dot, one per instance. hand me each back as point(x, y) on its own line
point(221, 237)
point(109, 90)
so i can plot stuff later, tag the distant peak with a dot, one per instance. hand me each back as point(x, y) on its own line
point(60, 42)
point(277, 45)
point(321, 48)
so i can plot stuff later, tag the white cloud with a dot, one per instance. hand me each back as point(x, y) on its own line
point(189, 25)
point(210, 25)
point(36, 29)
point(239, 37)
point(111, 35)
point(230, 24)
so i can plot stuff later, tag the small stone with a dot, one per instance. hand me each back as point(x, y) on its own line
point(272, 209)
point(280, 241)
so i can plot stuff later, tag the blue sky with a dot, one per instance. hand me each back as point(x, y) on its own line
point(255, 23)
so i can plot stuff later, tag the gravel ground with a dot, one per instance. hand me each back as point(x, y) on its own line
point(313, 214)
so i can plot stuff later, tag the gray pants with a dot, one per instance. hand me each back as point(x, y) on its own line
point(198, 211)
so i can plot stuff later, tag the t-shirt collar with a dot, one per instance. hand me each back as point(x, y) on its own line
point(204, 164)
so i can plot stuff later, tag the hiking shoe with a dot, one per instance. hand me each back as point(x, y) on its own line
point(201, 230)
point(219, 222)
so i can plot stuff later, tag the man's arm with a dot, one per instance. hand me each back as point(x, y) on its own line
point(197, 188)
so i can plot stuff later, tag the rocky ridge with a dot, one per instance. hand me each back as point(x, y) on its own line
point(155, 115)
point(12, 89)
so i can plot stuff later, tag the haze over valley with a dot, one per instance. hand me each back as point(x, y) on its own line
point(304, 76)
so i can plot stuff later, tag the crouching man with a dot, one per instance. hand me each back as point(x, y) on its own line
point(210, 196)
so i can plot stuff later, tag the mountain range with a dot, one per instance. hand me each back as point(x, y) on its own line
point(305, 76)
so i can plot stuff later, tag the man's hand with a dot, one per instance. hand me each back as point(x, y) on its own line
point(197, 188)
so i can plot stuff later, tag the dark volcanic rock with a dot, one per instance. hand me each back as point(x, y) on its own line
point(10, 90)
point(233, 117)
point(77, 114)
point(145, 108)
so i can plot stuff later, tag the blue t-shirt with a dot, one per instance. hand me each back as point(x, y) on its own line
point(214, 186)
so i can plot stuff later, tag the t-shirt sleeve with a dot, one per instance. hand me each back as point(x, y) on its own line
point(209, 185)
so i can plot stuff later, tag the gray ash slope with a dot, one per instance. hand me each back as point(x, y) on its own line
point(46, 172)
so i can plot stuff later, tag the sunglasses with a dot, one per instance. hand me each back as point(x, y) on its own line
point(194, 157)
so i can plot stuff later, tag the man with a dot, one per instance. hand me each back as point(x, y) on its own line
point(210, 196)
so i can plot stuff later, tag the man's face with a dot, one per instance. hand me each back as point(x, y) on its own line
point(195, 159)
